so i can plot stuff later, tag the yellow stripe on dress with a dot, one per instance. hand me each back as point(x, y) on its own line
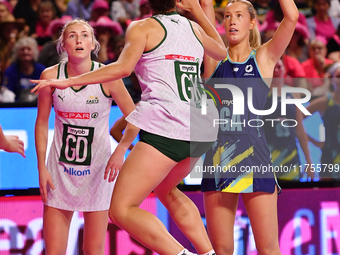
point(241, 184)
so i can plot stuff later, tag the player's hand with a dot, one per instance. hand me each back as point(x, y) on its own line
point(114, 165)
point(44, 180)
point(188, 5)
point(56, 83)
point(14, 144)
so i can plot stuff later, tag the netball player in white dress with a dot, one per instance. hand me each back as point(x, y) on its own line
point(73, 179)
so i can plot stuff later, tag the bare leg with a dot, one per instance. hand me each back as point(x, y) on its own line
point(262, 213)
point(143, 170)
point(220, 211)
point(182, 210)
point(95, 227)
point(56, 224)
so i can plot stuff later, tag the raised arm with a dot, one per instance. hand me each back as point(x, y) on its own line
point(135, 42)
point(212, 41)
point(270, 52)
point(209, 63)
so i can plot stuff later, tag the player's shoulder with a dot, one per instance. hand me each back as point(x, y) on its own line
point(50, 72)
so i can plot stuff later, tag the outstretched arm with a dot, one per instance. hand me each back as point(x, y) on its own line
point(11, 143)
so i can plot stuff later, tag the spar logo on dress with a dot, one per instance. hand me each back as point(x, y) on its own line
point(180, 57)
point(74, 115)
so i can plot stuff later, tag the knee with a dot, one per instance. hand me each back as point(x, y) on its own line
point(94, 247)
point(273, 249)
point(224, 250)
point(114, 215)
point(164, 194)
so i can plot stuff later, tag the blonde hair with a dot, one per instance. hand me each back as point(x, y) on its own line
point(255, 36)
point(60, 41)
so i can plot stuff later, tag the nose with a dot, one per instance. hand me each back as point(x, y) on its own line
point(78, 39)
point(232, 22)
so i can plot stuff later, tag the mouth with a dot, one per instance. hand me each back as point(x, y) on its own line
point(79, 49)
point(233, 30)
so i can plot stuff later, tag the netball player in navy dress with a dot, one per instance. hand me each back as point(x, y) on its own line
point(248, 65)
point(165, 51)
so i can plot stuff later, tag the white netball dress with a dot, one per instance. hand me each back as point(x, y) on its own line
point(171, 101)
point(81, 147)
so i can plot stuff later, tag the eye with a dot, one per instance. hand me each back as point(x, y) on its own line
point(71, 36)
point(239, 15)
point(85, 35)
point(227, 16)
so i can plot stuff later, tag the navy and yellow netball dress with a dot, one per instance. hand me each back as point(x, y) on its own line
point(331, 150)
point(281, 139)
point(239, 161)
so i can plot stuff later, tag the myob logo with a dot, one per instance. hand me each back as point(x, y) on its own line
point(188, 68)
point(78, 131)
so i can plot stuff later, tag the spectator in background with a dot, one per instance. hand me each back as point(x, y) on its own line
point(5, 11)
point(295, 74)
point(10, 32)
point(27, 11)
point(60, 7)
point(46, 13)
point(79, 9)
point(334, 10)
point(304, 7)
point(315, 66)
point(273, 19)
point(321, 24)
point(144, 9)
point(23, 68)
point(49, 55)
point(262, 7)
point(13, 3)
point(298, 46)
point(333, 46)
point(99, 8)
point(106, 30)
point(281, 139)
point(124, 11)
point(219, 6)
point(329, 108)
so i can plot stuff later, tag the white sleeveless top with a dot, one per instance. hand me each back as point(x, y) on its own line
point(171, 97)
point(81, 148)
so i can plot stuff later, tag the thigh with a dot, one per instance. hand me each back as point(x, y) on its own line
point(220, 210)
point(176, 175)
point(56, 224)
point(262, 212)
point(143, 170)
point(95, 228)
